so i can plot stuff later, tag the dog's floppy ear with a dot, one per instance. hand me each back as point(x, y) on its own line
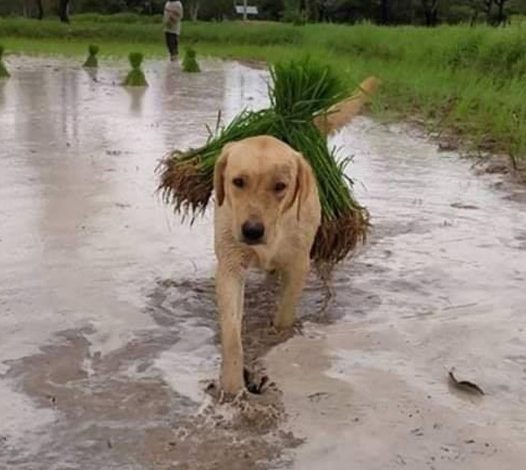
point(219, 174)
point(303, 184)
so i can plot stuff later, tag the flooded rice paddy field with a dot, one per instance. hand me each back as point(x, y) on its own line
point(107, 313)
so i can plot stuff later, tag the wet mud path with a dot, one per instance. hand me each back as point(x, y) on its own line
point(107, 317)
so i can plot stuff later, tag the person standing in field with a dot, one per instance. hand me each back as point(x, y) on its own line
point(173, 15)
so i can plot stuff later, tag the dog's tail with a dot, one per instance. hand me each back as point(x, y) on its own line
point(344, 112)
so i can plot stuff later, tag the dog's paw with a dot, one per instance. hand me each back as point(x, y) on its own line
point(254, 385)
point(221, 396)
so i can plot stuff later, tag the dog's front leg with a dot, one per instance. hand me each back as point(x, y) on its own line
point(230, 293)
point(292, 282)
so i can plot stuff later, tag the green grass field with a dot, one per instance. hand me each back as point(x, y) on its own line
point(471, 81)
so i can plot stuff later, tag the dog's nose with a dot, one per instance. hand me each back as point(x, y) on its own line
point(253, 231)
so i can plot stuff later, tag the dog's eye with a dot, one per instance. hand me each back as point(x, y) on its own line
point(279, 187)
point(238, 182)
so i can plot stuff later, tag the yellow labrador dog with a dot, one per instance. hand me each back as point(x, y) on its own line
point(267, 214)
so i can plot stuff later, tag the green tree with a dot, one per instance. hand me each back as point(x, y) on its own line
point(430, 11)
point(63, 10)
point(192, 9)
point(501, 14)
point(216, 9)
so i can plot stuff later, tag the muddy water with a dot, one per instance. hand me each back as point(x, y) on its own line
point(98, 350)
point(107, 328)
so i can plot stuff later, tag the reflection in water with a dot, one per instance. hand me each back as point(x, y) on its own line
point(171, 83)
point(2, 93)
point(69, 100)
point(92, 73)
point(244, 88)
point(188, 103)
point(31, 102)
point(136, 95)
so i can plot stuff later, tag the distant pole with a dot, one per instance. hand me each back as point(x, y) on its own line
point(245, 16)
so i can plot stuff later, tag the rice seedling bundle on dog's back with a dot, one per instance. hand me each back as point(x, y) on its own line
point(303, 94)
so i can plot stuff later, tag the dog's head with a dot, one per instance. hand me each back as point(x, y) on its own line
point(260, 179)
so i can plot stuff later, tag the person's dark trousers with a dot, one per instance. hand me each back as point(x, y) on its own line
point(172, 42)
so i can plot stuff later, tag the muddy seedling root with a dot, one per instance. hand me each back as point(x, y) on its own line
point(135, 76)
point(190, 63)
point(3, 70)
point(92, 61)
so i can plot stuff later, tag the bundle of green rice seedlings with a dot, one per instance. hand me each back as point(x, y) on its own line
point(92, 61)
point(344, 222)
point(301, 91)
point(136, 76)
point(3, 70)
point(190, 63)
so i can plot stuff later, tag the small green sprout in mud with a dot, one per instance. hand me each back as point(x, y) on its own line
point(190, 63)
point(136, 76)
point(92, 61)
point(3, 70)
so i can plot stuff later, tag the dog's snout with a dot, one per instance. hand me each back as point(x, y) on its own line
point(253, 231)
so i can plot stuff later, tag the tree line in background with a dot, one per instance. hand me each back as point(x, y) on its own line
point(387, 12)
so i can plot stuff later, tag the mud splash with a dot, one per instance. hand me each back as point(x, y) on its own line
point(107, 320)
